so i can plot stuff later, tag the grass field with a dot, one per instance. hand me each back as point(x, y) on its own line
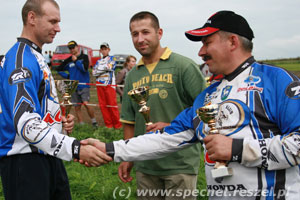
point(292, 64)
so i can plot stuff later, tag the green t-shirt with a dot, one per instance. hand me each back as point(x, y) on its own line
point(174, 84)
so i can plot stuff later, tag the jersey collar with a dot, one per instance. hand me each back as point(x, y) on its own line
point(240, 69)
point(31, 44)
point(164, 56)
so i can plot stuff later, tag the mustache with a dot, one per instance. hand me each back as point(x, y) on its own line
point(206, 57)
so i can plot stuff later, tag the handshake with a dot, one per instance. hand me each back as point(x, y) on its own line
point(93, 153)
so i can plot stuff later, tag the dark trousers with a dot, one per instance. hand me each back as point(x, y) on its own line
point(34, 177)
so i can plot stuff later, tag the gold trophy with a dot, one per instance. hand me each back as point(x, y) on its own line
point(65, 89)
point(141, 95)
point(208, 115)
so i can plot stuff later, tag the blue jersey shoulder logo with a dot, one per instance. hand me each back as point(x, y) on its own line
point(19, 75)
point(293, 90)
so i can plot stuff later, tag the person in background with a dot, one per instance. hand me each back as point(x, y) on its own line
point(121, 75)
point(174, 82)
point(104, 71)
point(77, 66)
point(32, 145)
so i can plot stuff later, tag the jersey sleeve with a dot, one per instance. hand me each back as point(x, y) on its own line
point(180, 134)
point(282, 150)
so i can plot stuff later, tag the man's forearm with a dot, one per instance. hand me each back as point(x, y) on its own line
point(149, 146)
point(128, 131)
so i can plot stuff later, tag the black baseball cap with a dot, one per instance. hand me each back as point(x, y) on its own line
point(223, 20)
point(72, 44)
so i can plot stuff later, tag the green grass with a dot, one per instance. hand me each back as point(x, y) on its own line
point(291, 64)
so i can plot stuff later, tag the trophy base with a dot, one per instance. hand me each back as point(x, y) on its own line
point(221, 172)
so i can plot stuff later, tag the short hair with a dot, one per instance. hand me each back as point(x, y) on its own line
point(145, 15)
point(128, 60)
point(36, 7)
point(247, 45)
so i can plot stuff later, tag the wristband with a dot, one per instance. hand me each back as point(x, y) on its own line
point(237, 150)
point(76, 149)
point(110, 149)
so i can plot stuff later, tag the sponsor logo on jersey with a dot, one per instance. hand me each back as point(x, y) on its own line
point(34, 131)
point(225, 92)
point(264, 153)
point(72, 65)
point(227, 187)
point(209, 97)
point(0, 109)
point(293, 90)
point(19, 75)
point(50, 119)
point(233, 116)
point(53, 142)
point(250, 88)
point(57, 150)
point(251, 81)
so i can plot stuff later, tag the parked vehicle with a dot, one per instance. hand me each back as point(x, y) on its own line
point(62, 52)
point(120, 59)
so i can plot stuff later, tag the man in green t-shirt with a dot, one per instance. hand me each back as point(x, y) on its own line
point(174, 82)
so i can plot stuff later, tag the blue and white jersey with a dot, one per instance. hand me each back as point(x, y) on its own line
point(77, 70)
point(259, 107)
point(30, 115)
point(104, 70)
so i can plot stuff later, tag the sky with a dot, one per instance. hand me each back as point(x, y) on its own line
point(275, 23)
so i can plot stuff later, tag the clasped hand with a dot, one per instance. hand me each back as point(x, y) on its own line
point(93, 153)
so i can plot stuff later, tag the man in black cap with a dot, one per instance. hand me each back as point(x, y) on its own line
point(257, 118)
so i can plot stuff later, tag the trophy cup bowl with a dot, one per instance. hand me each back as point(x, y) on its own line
point(65, 89)
point(140, 95)
point(208, 115)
